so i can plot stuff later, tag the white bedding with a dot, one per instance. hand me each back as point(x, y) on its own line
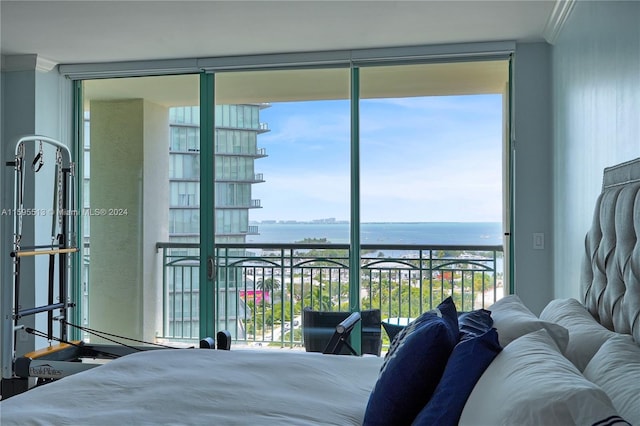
point(208, 387)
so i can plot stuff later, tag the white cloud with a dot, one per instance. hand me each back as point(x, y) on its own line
point(421, 160)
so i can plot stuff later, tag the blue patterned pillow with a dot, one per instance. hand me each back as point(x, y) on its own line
point(469, 359)
point(392, 329)
point(474, 323)
point(413, 366)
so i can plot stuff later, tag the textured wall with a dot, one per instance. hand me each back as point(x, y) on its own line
point(129, 176)
point(596, 120)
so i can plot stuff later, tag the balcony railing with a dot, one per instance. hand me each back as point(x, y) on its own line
point(262, 288)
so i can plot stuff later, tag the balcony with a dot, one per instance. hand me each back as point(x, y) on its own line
point(242, 151)
point(248, 204)
point(239, 178)
point(262, 288)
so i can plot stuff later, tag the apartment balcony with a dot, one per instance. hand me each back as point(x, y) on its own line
point(251, 230)
point(239, 151)
point(256, 178)
point(252, 204)
point(262, 288)
point(256, 127)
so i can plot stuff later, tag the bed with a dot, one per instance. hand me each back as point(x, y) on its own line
point(577, 363)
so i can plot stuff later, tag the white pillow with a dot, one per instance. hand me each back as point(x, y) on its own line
point(513, 319)
point(586, 335)
point(616, 369)
point(531, 383)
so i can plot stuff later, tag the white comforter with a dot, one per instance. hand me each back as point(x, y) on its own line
point(208, 387)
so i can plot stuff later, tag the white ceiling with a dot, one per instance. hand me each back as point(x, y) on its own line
point(68, 32)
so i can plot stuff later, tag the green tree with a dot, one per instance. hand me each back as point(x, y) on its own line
point(268, 284)
point(318, 300)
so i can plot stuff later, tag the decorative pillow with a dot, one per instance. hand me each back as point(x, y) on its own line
point(616, 369)
point(413, 366)
point(471, 324)
point(467, 362)
point(513, 319)
point(586, 335)
point(474, 323)
point(392, 329)
point(531, 383)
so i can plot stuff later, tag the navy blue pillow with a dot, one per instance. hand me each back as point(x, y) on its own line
point(470, 323)
point(413, 366)
point(469, 359)
point(392, 329)
point(474, 323)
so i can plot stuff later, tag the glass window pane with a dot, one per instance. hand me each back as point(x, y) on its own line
point(143, 147)
point(432, 154)
point(431, 148)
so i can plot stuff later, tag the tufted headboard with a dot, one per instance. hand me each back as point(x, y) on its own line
point(610, 276)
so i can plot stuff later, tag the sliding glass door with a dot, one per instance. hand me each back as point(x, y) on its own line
point(341, 189)
point(431, 142)
point(140, 199)
point(280, 168)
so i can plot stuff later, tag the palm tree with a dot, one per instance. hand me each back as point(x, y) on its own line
point(320, 299)
point(268, 285)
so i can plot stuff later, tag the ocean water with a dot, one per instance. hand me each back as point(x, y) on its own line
point(455, 233)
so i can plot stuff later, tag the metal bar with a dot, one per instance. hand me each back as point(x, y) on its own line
point(355, 258)
point(208, 284)
point(77, 226)
point(52, 268)
point(39, 309)
point(182, 309)
point(367, 247)
point(62, 258)
point(164, 292)
point(16, 292)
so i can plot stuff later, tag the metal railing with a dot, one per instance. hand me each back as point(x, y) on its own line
point(262, 288)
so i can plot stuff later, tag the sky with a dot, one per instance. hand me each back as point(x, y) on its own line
point(423, 159)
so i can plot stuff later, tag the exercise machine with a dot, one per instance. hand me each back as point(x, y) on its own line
point(58, 251)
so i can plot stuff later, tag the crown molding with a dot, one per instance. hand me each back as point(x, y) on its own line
point(561, 11)
point(44, 64)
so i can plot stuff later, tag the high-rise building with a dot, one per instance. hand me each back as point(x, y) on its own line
point(236, 134)
point(236, 149)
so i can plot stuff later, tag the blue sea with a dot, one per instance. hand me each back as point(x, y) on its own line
point(445, 233)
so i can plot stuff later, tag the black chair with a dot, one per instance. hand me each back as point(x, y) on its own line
point(329, 332)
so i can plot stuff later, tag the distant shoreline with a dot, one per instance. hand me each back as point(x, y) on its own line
point(445, 233)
